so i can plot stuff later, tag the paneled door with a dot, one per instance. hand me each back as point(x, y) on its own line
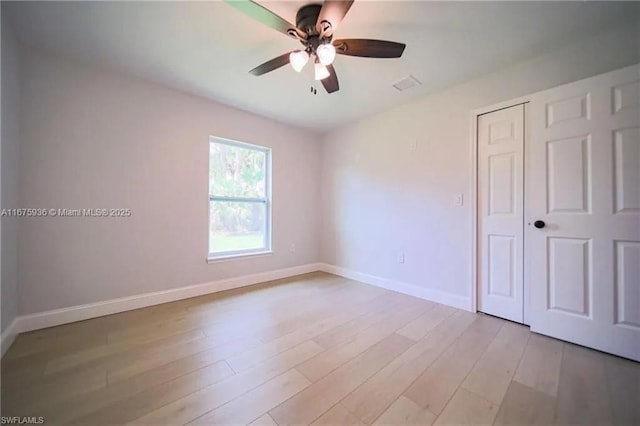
point(500, 212)
point(582, 218)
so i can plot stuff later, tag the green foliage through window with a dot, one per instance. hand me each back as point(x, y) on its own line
point(238, 198)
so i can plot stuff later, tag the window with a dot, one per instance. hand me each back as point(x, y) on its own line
point(239, 199)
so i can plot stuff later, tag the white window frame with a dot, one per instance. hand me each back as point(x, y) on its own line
point(266, 201)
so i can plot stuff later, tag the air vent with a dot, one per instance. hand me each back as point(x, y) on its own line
point(406, 83)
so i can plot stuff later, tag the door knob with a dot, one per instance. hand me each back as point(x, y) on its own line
point(539, 224)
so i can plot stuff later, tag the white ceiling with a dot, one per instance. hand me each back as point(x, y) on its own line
point(207, 48)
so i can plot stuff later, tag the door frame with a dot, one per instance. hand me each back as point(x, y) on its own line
point(475, 264)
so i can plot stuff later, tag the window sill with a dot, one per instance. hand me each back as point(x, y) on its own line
point(230, 257)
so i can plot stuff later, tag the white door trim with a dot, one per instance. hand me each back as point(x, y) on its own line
point(474, 195)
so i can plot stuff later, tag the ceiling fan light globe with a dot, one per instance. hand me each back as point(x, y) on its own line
point(298, 60)
point(321, 72)
point(326, 53)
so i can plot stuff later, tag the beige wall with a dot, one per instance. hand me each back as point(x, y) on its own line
point(380, 197)
point(93, 138)
point(9, 172)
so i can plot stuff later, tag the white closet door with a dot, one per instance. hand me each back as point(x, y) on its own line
point(500, 212)
point(583, 182)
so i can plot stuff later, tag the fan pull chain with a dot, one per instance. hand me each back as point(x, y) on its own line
point(314, 91)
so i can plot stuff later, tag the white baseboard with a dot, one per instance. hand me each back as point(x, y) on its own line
point(433, 295)
point(92, 310)
point(8, 336)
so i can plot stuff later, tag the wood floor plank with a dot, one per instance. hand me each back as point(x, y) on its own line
point(239, 310)
point(26, 345)
point(269, 323)
point(405, 412)
point(32, 398)
point(26, 372)
point(322, 364)
point(159, 329)
point(274, 347)
point(128, 360)
point(259, 320)
point(539, 367)
point(373, 397)
point(353, 299)
point(196, 404)
point(345, 332)
point(337, 415)
point(63, 339)
point(142, 402)
point(127, 390)
point(148, 361)
point(83, 358)
point(433, 389)
point(467, 408)
point(248, 301)
point(265, 294)
point(265, 420)
point(315, 400)
point(256, 402)
point(623, 380)
point(523, 405)
point(419, 327)
point(493, 372)
point(583, 396)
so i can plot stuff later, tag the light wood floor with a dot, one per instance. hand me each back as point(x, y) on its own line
point(315, 349)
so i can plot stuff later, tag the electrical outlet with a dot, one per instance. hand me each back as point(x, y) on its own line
point(458, 200)
point(401, 257)
point(413, 145)
point(292, 248)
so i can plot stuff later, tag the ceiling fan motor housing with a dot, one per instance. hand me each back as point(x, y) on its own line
point(307, 17)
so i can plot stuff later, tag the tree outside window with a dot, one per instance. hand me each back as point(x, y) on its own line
point(239, 198)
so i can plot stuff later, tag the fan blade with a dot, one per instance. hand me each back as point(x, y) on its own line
point(369, 48)
point(332, 12)
point(266, 17)
point(271, 65)
point(331, 83)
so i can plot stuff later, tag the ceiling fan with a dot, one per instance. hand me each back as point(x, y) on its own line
point(315, 26)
